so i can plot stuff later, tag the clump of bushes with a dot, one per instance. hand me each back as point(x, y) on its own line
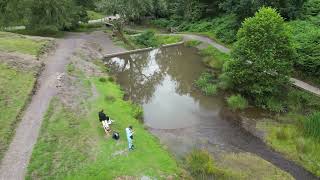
point(275, 105)
point(312, 125)
point(206, 84)
point(111, 79)
point(200, 164)
point(102, 79)
point(237, 102)
point(137, 112)
point(147, 39)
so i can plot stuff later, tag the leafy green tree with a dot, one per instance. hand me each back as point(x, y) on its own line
point(262, 58)
point(289, 9)
point(311, 11)
point(12, 12)
point(54, 14)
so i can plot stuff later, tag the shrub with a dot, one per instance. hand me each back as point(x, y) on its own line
point(205, 83)
point(224, 82)
point(301, 145)
point(262, 56)
point(70, 68)
point(281, 134)
point(192, 43)
point(210, 89)
point(161, 22)
point(109, 98)
point(275, 105)
point(111, 79)
point(312, 125)
point(137, 112)
point(237, 102)
point(306, 38)
point(102, 79)
point(200, 164)
point(147, 39)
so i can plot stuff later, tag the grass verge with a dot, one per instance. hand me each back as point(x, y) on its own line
point(10, 42)
point(16, 87)
point(72, 144)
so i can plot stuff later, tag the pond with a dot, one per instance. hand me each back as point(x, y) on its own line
point(162, 82)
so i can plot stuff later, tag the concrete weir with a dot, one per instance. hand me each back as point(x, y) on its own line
point(141, 50)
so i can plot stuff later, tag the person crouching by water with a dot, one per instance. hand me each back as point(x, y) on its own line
point(104, 120)
point(129, 132)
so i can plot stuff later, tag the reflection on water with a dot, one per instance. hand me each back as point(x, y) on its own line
point(161, 81)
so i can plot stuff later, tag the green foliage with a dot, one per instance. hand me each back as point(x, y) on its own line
point(192, 43)
point(214, 58)
point(311, 11)
point(289, 9)
point(281, 134)
point(306, 38)
point(225, 82)
point(275, 105)
point(237, 102)
point(92, 15)
point(147, 39)
point(206, 84)
point(16, 87)
point(262, 57)
point(102, 79)
point(200, 164)
point(71, 68)
point(168, 39)
point(54, 15)
point(302, 102)
point(312, 125)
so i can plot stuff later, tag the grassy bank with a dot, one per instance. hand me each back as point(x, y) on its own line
point(10, 42)
point(72, 143)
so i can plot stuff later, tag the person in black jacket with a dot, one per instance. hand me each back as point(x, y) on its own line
point(103, 118)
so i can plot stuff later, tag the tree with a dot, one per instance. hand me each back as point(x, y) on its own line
point(53, 14)
point(262, 57)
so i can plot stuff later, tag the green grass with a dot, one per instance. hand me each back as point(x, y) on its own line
point(237, 102)
point(95, 15)
point(10, 42)
point(214, 58)
point(15, 89)
point(168, 39)
point(207, 84)
point(289, 139)
point(72, 144)
point(192, 43)
point(312, 125)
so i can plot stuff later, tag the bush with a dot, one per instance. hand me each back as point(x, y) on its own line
point(200, 164)
point(102, 79)
point(161, 22)
point(311, 11)
point(224, 82)
point(301, 145)
point(237, 102)
point(205, 83)
point(312, 125)
point(306, 37)
point(214, 58)
point(210, 89)
point(275, 105)
point(147, 39)
point(137, 112)
point(112, 79)
point(281, 134)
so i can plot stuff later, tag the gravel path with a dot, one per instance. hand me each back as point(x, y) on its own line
point(15, 161)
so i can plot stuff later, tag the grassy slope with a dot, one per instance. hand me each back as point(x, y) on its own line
point(15, 84)
point(15, 89)
point(75, 147)
point(16, 43)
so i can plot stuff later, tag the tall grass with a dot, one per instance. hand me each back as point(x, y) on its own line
point(237, 102)
point(312, 125)
point(206, 84)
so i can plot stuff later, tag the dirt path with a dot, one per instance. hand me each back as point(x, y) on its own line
point(15, 161)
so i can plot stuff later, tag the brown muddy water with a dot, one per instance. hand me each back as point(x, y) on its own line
point(176, 112)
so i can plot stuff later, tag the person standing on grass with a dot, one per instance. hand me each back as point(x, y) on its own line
point(129, 132)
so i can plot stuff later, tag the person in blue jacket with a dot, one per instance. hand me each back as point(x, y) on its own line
point(129, 132)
